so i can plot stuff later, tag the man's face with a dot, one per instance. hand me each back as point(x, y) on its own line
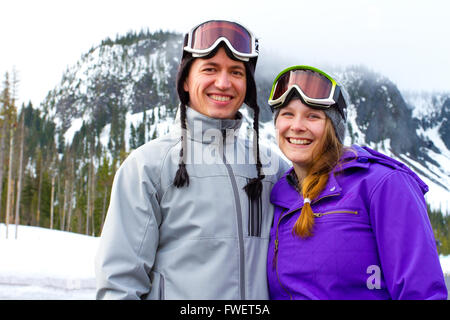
point(216, 86)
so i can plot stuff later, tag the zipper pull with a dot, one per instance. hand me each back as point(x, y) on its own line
point(224, 142)
point(224, 135)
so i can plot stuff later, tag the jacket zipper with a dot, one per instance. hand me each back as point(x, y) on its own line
point(293, 211)
point(239, 220)
point(275, 256)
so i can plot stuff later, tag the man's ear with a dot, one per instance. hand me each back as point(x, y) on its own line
point(185, 85)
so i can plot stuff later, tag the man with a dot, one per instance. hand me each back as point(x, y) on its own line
point(190, 214)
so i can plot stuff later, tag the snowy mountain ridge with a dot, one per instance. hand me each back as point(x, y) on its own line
point(126, 78)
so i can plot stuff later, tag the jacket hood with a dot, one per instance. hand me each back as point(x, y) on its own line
point(373, 156)
point(285, 195)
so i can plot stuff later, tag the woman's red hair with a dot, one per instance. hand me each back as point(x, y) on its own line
point(325, 158)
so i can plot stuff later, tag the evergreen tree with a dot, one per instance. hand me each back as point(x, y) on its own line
point(132, 142)
point(5, 102)
point(441, 227)
point(140, 137)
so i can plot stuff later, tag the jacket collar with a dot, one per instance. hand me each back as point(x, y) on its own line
point(205, 129)
point(286, 195)
point(368, 155)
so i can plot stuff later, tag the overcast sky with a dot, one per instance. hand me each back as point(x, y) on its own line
point(406, 40)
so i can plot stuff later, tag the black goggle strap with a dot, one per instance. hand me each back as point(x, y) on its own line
point(341, 105)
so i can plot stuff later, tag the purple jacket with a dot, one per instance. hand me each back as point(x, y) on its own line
point(372, 238)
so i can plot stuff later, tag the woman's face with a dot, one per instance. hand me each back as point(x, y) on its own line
point(299, 132)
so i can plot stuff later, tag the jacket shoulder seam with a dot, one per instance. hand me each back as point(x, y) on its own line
point(164, 158)
point(382, 180)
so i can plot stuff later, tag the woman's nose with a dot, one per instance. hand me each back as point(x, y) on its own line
point(298, 124)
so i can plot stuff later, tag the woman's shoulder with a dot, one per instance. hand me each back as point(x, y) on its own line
point(378, 166)
point(284, 192)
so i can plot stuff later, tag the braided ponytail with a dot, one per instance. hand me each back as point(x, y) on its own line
point(329, 152)
point(254, 186)
point(311, 187)
point(182, 177)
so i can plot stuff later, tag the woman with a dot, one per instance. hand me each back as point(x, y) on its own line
point(349, 223)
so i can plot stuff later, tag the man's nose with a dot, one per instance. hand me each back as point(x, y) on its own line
point(223, 80)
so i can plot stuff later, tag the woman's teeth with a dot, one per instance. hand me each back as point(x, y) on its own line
point(299, 141)
point(220, 98)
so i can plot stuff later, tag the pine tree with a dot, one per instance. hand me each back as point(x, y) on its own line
point(441, 227)
point(141, 131)
point(104, 181)
point(132, 141)
point(52, 172)
point(52, 195)
point(5, 101)
point(39, 171)
point(10, 185)
point(70, 195)
point(90, 189)
point(11, 116)
point(20, 170)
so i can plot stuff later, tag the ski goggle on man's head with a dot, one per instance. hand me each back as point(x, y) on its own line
point(205, 37)
point(313, 86)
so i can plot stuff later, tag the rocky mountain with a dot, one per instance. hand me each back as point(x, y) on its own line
point(128, 84)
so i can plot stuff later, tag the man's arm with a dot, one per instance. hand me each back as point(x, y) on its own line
point(130, 235)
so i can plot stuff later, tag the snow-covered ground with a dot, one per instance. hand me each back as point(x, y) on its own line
point(46, 264)
point(56, 265)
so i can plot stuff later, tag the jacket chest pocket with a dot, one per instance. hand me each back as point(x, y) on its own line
point(337, 215)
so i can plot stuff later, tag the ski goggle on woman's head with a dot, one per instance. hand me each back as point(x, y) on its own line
point(205, 37)
point(313, 86)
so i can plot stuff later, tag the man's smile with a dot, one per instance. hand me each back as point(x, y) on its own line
point(219, 97)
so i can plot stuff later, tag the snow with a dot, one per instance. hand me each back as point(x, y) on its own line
point(46, 264)
point(43, 264)
point(74, 128)
point(445, 264)
point(425, 104)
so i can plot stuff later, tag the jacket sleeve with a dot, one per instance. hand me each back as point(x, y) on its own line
point(406, 245)
point(130, 235)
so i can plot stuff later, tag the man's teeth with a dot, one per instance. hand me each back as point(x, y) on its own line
point(220, 98)
point(299, 141)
